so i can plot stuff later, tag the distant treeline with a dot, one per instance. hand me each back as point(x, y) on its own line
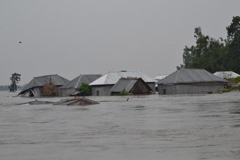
point(215, 54)
point(5, 87)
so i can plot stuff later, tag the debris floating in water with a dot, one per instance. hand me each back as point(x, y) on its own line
point(76, 101)
point(36, 102)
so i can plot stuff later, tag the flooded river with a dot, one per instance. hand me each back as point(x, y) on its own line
point(189, 127)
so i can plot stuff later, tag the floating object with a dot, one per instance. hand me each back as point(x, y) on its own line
point(78, 93)
point(36, 102)
point(76, 102)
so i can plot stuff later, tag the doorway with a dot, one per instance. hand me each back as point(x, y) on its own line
point(164, 91)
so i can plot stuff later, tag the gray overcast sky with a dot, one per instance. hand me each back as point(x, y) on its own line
point(72, 37)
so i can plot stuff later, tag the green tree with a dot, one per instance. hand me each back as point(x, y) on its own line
point(86, 89)
point(187, 57)
point(233, 35)
point(208, 53)
point(215, 54)
point(15, 78)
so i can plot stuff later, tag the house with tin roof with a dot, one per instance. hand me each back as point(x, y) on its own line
point(73, 85)
point(102, 86)
point(135, 86)
point(190, 81)
point(35, 86)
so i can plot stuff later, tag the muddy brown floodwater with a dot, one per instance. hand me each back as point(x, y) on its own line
point(185, 127)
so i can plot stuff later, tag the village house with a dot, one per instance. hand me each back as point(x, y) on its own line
point(74, 84)
point(190, 81)
point(35, 86)
point(103, 85)
point(134, 86)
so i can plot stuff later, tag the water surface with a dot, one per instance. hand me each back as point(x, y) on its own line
point(145, 127)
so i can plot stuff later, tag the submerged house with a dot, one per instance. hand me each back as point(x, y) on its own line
point(226, 74)
point(35, 86)
point(102, 86)
point(158, 78)
point(135, 86)
point(190, 81)
point(74, 84)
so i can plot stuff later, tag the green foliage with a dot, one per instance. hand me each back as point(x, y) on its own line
point(226, 90)
point(86, 89)
point(124, 93)
point(215, 54)
point(236, 80)
point(15, 78)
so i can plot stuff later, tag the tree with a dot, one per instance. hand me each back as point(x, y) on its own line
point(233, 33)
point(15, 78)
point(215, 54)
point(86, 89)
point(208, 53)
point(234, 28)
point(187, 57)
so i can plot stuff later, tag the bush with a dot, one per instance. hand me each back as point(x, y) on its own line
point(124, 92)
point(86, 89)
point(237, 79)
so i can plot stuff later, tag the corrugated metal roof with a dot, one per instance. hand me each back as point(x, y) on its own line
point(123, 83)
point(161, 77)
point(77, 82)
point(190, 76)
point(113, 77)
point(42, 80)
point(226, 74)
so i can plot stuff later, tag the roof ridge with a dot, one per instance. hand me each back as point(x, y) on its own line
point(106, 78)
point(47, 75)
point(79, 77)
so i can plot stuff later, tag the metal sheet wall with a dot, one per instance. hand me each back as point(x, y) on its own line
point(189, 89)
point(67, 92)
point(102, 90)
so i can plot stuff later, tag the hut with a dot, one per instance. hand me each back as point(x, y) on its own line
point(103, 85)
point(226, 74)
point(35, 86)
point(135, 86)
point(73, 86)
point(190, 81)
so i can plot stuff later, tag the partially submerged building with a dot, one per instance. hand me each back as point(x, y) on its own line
point(76, 102)
point(190, 81)
point(35, 86)
point(226, 74)
point(102, 86)
point(158, 78)
point(135, 86)
point(74, 84)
